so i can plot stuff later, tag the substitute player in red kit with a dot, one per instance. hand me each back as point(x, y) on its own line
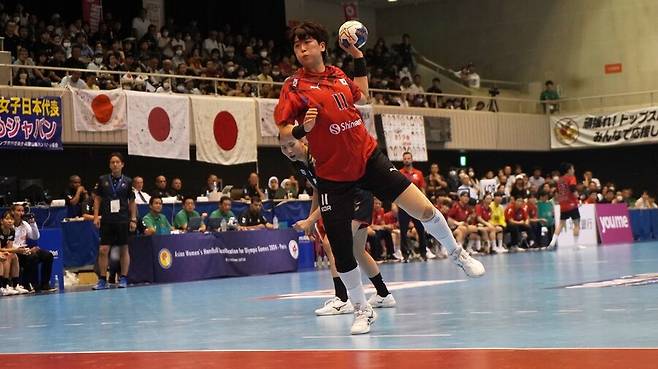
point(568, 199)
point(347, 159)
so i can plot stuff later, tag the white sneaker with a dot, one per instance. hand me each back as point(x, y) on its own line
point(377, 301)
point(430, 254)
point(21, 289)
point(398, 254)
point(10, 291)
point(553, 242)
point(364, 316)
point(471, 267)
point(335, 306)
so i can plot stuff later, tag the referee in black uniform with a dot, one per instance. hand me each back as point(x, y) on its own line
point(115, 203)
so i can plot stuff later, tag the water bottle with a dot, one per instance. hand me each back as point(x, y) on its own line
point(214, 186)
point(222, 225)
point(57, 281)
point(275, 222)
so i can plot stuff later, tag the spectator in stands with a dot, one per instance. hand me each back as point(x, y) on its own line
point(140, 24)
point(460, 213)
point(213, 183)
point(488, 184)
point(644, 202)
point(176, 189)
point(92, 82)
point(588, 178)
point(74, 80)
point(627, 197)
point(115, 201)
point(57, 61)
point(182, 218)
point(11, 40)
point(8, 258)
point(490, 232)
point(30, 258)
point(253, 188)
point(550, 98)
point(274, 192)
point(479, 106)
point(435, 101)
point(378, 232)
point(546, 211)
point(468, 76)
point(291, 187)
point(535, 221)
point(467, 187)
point(161, 190)
point(416, 177)
point(155, 223)
point(407, 53)
point(224, 210)
point(518, 223)
point(436, 184)
point(519, 189)
point(252, 218)
point(75, 196)
point(141, 197)
point(536, 181)
point(498, 218)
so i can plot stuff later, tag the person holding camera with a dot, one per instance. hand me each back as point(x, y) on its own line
point(31, 258)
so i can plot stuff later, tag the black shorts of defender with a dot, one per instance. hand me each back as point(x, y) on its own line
point(381, 178)
point(571, 214)
point(114, 233)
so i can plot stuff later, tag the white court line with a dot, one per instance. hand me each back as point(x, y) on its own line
point(406, 314)
point(74, 324)
point(146, 321)
point(614, 310)
point(37, 326)
point(381, 336)
point(5, 327)
point(442, 313)
point(292, 316)
point(184, 320)
point(567, 311)
point(109, 323)
point(255, 318)
point(526, 311)
point(480, 312)
point(430, 349)
point(651, 309)
point(218, 319)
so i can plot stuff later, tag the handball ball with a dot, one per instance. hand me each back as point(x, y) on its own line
point(353, 33)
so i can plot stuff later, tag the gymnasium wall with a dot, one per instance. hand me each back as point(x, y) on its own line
point(532, 40)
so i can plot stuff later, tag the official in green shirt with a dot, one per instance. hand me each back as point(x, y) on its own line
point(155, 222)
point(224, 210)
point(546, 209)
point(182, 218)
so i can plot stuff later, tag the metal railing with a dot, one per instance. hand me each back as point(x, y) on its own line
point(608, 102)
point(506, 104)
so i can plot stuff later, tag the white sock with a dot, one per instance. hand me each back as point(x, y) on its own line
point(478, 245)
point(354, 285)
point(575, 240)
point(469, 245)
point(500, 243)
point(438, 228)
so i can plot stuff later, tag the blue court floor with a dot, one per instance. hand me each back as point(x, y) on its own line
point(521, 302)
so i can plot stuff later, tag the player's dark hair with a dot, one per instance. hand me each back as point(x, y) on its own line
point(564, 168)
point(188, 198)
point(306, 30)
point(224, 198)
point(153, 198)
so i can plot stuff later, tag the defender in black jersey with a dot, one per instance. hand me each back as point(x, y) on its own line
point(297, 151)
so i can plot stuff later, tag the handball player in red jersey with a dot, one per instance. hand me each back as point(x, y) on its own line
point(322, 98)
point(568, 199)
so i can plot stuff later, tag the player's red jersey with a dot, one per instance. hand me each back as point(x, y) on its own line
point(483, 211)
point(519, 214)
point(415, 176)
point(339, 141)
point(459, 213)
point(532, 211)
point(378, 217)
point(565, 194)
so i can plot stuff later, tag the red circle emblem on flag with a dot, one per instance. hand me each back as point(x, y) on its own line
point(226, 130)
point(159, 125)
point(102, 108)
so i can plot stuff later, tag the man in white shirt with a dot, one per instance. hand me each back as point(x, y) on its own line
point(141, 24)
point(31, 257)
point(536, 181)
point(210, 43)
point(73, 80)
point(141, 197)
point(467, 186)
point(488, 184)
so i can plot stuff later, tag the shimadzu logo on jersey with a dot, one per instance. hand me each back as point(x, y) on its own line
point(337, 128)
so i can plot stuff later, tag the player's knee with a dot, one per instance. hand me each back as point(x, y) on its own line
point(428, 213)
point(104, 250)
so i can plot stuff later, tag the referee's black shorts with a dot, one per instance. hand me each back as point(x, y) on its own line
point(114, 234)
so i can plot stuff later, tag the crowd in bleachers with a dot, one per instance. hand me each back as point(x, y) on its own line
point(118, 56)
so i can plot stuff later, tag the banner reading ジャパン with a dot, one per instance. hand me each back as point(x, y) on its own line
point(31, 122)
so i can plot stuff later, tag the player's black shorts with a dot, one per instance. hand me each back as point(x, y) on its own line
point(363, 204)
point(114, 233)
point(573, 214)
point(381, 179)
